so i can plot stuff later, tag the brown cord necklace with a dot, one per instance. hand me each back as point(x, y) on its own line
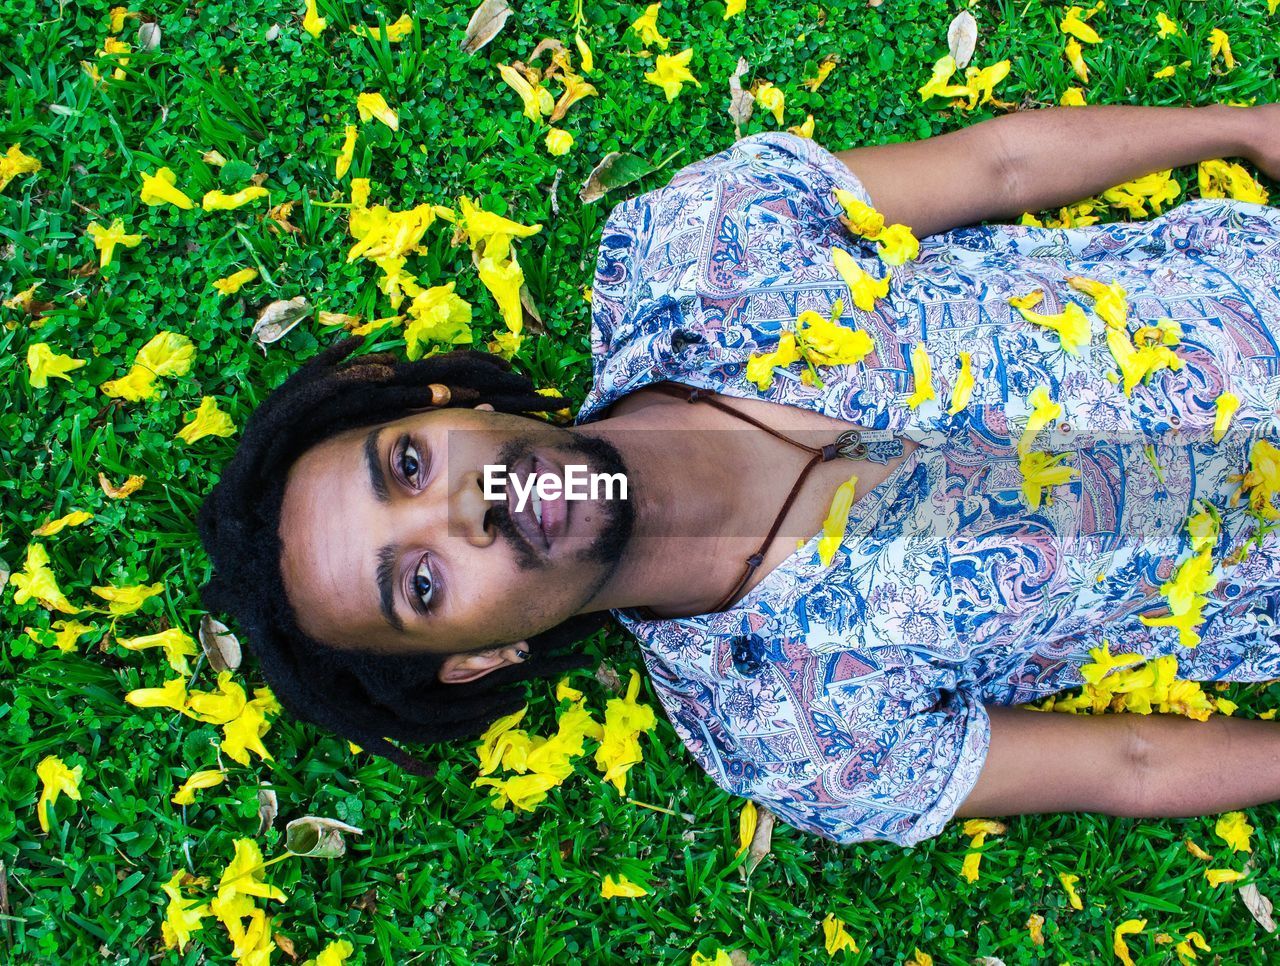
point(879, 446)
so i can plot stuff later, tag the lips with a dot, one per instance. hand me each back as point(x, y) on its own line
point(525, 520)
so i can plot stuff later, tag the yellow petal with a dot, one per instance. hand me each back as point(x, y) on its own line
point(185, 795)
point(1217, 877)
point(207, 420)
point(45, 364)
point(1235, 830)
point(835, 935)
point(158, 189)
point(1069, 885)
point(558, 141)
point(312, 22)
point(1127, 928)
point(922, 377)
point(234, 282)
point(963, 388)
point(371, 105)
point(72, 519)
point(622, 887)
point(747, 820)
point(836, 522)
point(222, 201)
point(126, 600)
point(671, 73)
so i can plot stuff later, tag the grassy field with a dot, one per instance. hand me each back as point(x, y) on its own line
point(233, 94)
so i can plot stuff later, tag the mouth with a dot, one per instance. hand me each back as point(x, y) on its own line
point(541, 522)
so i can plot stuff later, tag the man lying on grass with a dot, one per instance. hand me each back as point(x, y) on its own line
point(1063, 468)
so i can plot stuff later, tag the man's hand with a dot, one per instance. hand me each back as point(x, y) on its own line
point(1143, 766)
point(1040, 159)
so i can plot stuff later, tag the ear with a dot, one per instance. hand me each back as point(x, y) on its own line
point(487, 407)
point(461, 668)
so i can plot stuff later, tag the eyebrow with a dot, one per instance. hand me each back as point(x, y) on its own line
point(377, 479)
point(386, 592)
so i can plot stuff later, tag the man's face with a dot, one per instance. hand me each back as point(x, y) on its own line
point(390, 545)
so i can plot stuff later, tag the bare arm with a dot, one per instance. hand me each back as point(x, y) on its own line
point(1144, 766)
point(1032, 160)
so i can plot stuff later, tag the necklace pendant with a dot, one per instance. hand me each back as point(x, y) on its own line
point(878, 446)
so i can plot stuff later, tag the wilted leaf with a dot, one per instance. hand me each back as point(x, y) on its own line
point(962, 37)
point(286, 945)
point(278, 318)
point(125, 489)
point(268, 808)
point(367, 901)
point(280, 216)
point(988, 961)
point(318, 838)
point(149, 36)
point(1259, 906)
point(617, 170)
point(741, 103)
point(608, 678)
point(4, 573)
point(738, 958)
point(761, 842)
point(490, 17)
point(221, 647)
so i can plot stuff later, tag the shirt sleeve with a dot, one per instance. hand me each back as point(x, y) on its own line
point(899, 779)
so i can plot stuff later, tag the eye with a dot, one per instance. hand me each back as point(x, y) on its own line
point(410, 462)
point(424, 584)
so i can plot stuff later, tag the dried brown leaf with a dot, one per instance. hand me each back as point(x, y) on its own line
point(741, 103)
point(489, 18)
point(761, 842)
point(149, 36)
point(314, 837)
point(609, 678)
point(1259, 906)
point(4, 579)
point(278, 318)
point(280, 216)
point(962, 38)
point(221, 647)
point(367, 901)
point(286, 945)
point(268, 808)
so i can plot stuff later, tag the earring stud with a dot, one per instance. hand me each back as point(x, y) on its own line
point(440, 394)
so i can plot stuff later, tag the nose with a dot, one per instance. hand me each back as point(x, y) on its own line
point(468, 508)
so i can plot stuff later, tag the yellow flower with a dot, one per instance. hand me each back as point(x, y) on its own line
point(1127, 928)
point(1075, 57)
point(1071, 324)
point(312, 22)
point(859, 217)
point(1069, 885)
point(1155, 189)
point(371, 105)
point(395, 32)
point(489, 233)
point(804, 130)
point(1040, 472)
point(221, 201)
point(825, 342)
point(897, 245)
point(537, 99)
point(760, 365)
point(176, 643)
point(166, 354)
point(563, 688)
point(245, 733)
point(646, 25)
point(671, 73)
point(1167, 26)
point(348, 152)
point(503, 280)
point(575, 89)
point(938, 84)
point(1203, 528)
point(37, 582)
point(1074, 25)
point(922, 377)
point(863, 287)
point(734, 7)
point(218, 707)
point(835, 935)
point(1235, 830)
point(158, 189)
point(963, 388)
point(241, 879)
point(182, 916)
point(624, 721)
point(769, 98)
point(15, 163)
point(721, 958)
point(1109, 300)
point(980, 84)
point(65, 634)
point(208, 420)
point(918, 958)
point(584, 53)
point(234, 282)
point(172, 694)
point(1220, 46)
point(1262, 481)
point(45, 364)
point(1185, 953)
point(1225, 179)
point(827, 65)
point(334, 954)
point(1225, 407)
point(748, 818)
point(837, 521)
point(1217, 877)
point(106, 240)
point(622, 887)
point(56, 779)
point(1104, 663)
point(1198, 852)
point(186, 795)
point(438, 316)
point(1072, 97)
point(558, 141)
point(524, 792)
point(126, 600)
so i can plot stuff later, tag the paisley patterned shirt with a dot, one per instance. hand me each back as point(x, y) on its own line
point(850, 698)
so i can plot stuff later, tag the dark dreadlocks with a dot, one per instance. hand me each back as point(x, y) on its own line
point(362, 695)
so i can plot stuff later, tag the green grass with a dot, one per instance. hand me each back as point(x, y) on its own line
point(456, 881)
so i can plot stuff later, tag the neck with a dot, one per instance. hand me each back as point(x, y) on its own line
point(685, 478)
